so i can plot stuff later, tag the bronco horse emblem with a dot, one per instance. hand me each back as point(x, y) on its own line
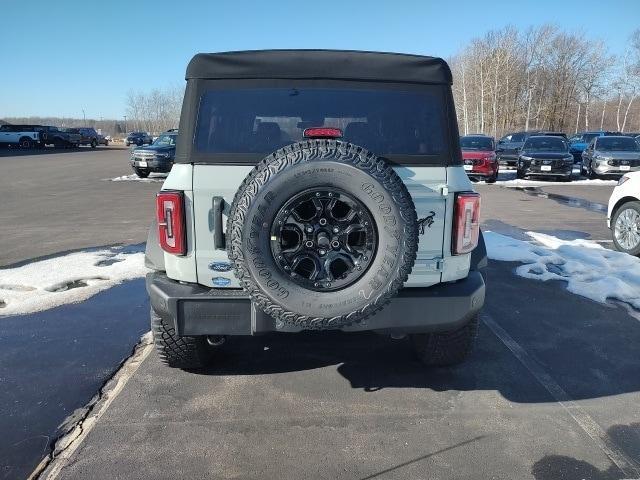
point(426, 222)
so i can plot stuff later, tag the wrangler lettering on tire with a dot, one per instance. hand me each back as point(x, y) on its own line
point(322, 234)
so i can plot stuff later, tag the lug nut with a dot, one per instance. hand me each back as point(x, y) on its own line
point(322, 252)
point(317, 194)
point(328, 284)
point(335, 244)
point(309, 229)
point(336, 229)
point(323, 221)
point(316, 284)
point(308, 244)
point(365, 258)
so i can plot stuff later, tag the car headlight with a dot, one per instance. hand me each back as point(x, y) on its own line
point(525, 158)
point(163, 155)
point(623, 179)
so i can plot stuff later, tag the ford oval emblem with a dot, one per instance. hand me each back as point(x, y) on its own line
point(220, 281)
point(220, 266)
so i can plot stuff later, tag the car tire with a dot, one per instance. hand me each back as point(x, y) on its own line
point(590, 173)
point(305, 170)
point(190, 353)
point(519, 174)
point(94, 144)
point(141, 173)
point(493, 178)
point(127, 144)
point(445, 348)
point(630, 210)
point(26, 143)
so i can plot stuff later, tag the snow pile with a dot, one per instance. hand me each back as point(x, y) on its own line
point(71, 278)
point(152, 178)
point(508, 179)
point(588, 268)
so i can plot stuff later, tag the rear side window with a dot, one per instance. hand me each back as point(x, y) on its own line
point(385, 121)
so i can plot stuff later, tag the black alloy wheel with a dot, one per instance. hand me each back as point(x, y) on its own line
point(324, 239)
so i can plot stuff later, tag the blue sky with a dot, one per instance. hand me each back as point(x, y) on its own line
point(62, 57)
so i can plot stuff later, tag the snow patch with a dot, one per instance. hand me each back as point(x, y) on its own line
point(588, 268)
point(152, 178)
point(508, 179)
point(70, 278)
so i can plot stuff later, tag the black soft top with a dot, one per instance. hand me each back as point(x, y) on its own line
point(319, 64)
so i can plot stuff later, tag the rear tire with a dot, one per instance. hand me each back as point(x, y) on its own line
point(141, 173)
point(446, 348)
point(179, 352)
point(493, 178)
point(520, 174)
point(94, 144)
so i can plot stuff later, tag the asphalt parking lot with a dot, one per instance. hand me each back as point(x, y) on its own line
point(551, 392)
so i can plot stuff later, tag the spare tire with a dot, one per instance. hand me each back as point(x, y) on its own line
point(322, 234)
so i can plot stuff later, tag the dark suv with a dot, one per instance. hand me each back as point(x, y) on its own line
point(546, 156)
point(138, 138)
point(157, 157)
point(316, 190)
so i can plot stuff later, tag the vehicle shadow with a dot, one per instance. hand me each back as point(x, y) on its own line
point(589, 349)
point(17, 152)
point(625, 437)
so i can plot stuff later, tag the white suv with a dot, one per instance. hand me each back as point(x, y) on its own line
point(312, 188)
point(623, 214)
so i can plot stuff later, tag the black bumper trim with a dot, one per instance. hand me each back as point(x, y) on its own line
point(198, 310)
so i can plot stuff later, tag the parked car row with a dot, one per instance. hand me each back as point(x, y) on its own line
point(545, 154)
point(39, 136)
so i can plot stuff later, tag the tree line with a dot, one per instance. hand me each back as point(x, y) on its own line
point(154, 111)
point(548, 79)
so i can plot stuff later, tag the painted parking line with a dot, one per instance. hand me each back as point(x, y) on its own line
point(603, 441)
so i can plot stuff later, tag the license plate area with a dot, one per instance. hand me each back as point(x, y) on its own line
point(141, 163)
point(468, 167)
point(545, 168)
point(625, 167)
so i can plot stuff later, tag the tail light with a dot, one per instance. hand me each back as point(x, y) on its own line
point(170, 216)
point(466, 226)
point(322, 132)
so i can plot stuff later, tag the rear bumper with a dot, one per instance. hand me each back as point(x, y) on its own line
point(198, 310)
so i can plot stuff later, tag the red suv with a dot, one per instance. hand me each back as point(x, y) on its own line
point(478, 153)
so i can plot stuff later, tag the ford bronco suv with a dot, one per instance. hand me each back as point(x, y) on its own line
point(316, 190)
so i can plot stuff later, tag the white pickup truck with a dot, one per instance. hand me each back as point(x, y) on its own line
point(26, 136)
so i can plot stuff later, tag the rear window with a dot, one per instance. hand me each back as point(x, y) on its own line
point(545, 144)
point(476, 143)
point(262, 120)
point(622, 144)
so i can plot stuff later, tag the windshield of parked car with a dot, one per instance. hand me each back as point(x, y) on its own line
point(621, 144)
point(386, 121)
point(165, 140)
point(476, 143)
point(545, 144)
